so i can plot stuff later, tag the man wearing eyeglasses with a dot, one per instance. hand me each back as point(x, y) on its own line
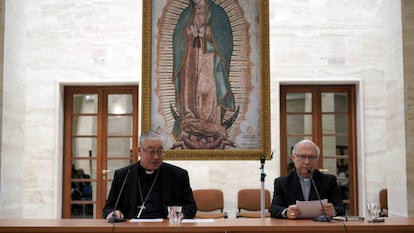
point(150, 185)
point(297, 185)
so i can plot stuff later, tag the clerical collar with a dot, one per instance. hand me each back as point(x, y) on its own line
point(303, 178)
point(149, 172)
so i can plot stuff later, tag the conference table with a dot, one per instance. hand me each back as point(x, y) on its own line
point(240, 225)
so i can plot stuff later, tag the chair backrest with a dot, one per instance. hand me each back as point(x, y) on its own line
point(209, 199)
point(250, 199)
point(383, 199)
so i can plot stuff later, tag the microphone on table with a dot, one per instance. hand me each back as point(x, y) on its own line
point(323, 217)
point(114, 218)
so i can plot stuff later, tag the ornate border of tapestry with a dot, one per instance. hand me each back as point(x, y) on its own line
point(205, 77)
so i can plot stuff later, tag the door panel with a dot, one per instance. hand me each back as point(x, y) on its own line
point(326, 115)
point(100, 136)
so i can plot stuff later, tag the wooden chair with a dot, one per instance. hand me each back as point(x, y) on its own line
point(383, 199)
point(210, 203)
point(249, 203)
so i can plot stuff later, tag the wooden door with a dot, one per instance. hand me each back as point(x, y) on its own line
point(101, 127)
point(326, 115)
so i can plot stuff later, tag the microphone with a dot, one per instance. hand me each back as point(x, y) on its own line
point(323, 217)
point(114, 218)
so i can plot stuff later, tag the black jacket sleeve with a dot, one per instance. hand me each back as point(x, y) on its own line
point(119, 177)
point(176, 190)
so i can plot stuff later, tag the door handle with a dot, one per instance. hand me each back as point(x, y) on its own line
point(105, 171)
point(323, 170)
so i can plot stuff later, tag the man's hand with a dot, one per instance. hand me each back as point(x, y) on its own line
point(329, 210)
point(292, 212)
point(118, 214)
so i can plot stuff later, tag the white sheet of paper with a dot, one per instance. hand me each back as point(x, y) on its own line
point(147, 220)
point(197, 220)
point(310, 209)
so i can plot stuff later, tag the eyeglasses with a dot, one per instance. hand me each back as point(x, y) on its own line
point(152, 152)
point(304, 157)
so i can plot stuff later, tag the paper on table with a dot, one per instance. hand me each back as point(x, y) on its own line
point(197, 220)
point(146, 220)
point(183, 221)
point(310, 209)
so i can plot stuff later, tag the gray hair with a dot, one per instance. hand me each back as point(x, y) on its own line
point(318, 151)
point(150, 135)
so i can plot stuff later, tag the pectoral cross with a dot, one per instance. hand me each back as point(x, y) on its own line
point(141, 208)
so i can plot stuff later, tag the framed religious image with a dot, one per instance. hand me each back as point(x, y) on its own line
point(205, 77)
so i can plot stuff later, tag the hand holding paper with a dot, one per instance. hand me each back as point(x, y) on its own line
point(310, 209)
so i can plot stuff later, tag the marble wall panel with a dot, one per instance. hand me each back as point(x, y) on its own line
point(1, 68)
point(408, 38)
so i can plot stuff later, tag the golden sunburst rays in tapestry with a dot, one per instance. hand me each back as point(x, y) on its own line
point(184, 74)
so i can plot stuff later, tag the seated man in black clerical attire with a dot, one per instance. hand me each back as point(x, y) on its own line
point(297, 185)
point(150, 185)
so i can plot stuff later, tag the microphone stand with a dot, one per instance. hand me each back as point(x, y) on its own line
point(323, 217)
point(262, 189)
